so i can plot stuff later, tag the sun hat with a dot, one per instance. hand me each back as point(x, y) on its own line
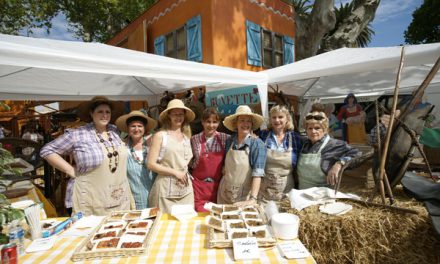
point(230, 121)
point(121, 122)
point(84, 108)
point(177, 104)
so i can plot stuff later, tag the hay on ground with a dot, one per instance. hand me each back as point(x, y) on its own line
point(369, 234)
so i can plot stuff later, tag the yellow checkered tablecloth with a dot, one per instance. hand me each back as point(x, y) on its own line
point(175, 242)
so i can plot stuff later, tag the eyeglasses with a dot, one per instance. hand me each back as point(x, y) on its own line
point(315, 117)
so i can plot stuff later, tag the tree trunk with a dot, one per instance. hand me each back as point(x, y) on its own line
point(349, 30)
point(311, 30)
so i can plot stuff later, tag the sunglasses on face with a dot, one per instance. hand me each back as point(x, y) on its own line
point(315, 117)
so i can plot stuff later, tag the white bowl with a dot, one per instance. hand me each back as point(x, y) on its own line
point(285, 225)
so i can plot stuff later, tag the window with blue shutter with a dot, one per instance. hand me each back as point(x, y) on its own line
point(159, 45)
point(289, 50)
point(194, 39)
point(253, 43)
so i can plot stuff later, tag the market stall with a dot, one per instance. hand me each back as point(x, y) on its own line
point(179, 242)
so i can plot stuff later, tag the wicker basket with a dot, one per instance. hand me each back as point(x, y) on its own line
point(81, 253)
point(217, 239)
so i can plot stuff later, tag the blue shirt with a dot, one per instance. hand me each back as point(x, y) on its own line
point(257, 152)
point(268, 137)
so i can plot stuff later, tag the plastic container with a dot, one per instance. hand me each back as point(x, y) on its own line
point(285, 225)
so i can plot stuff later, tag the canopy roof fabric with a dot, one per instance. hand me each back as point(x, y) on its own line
point(363, 71)
point(44, 69)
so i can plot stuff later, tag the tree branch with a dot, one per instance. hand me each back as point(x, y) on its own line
point(311, 30)
point(350, 29)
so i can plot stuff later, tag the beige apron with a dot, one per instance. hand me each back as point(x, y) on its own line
point(167, 190)
point(99, 192)
point(278, 177)
point(236, 182)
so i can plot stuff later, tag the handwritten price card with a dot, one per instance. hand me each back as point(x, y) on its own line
point(245, 248)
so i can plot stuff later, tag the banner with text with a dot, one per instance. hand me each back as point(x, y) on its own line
point(226, 101)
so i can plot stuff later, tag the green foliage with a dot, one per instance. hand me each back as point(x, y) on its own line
point(89, 20)
point(342, 13)
point(6, 159)
point(425, 26)
point(7, 215)
point(99, 20)
point(26, 14)
point(302, 7)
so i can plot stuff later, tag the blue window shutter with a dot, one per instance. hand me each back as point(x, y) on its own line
point(159, 45)
point(194, 39)
point(289, 50)
point(253, 39)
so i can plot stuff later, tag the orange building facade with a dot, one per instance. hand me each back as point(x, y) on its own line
point(244, 34)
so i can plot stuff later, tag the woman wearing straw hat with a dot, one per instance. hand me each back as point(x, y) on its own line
point(283, 147)
point(245, 159)
point(169, 156)
point(101, 184)
point(209, 155)
point(137, 124)
point(322, 157)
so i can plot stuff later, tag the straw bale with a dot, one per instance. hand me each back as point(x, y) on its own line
point(369, 234)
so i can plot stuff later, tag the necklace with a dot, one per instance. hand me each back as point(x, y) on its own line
point(133, 153)
point(110, 154)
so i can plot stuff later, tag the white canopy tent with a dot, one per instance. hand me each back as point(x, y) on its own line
point(44, 69)
point(362, 71)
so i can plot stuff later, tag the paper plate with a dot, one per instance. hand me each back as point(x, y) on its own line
point(337, 208)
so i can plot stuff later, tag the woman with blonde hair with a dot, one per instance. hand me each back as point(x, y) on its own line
point(169, 156)
point(283, 146)
point(321, 157)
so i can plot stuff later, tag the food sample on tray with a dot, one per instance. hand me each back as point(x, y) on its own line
point(235, 224)
point(214, 222)
point(106, 243)
point(136, 233)
point(250, 209)
point(230, 215)
point(237, 233)
point(131, 241)
point(247, 215)
point(253, 222)
point(134, 215)
point(131, 245)
point(116, 216)
point(258, 231)
point(113, 225)
point(108, 233)
point(149, 213)
point(140, 224)
point(229, 208)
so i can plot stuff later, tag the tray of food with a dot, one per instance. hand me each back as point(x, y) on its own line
point(226, 222)
point(120, 234)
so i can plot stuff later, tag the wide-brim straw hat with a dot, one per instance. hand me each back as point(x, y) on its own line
point(177, 104)
point(230, 121)
point(84, 108)
point(121, 122)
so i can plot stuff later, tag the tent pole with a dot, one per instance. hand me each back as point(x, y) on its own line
point(382, 175)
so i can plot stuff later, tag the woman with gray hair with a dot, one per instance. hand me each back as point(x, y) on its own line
point(322, 157)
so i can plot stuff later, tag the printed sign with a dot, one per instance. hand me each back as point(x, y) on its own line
point(227, 101)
